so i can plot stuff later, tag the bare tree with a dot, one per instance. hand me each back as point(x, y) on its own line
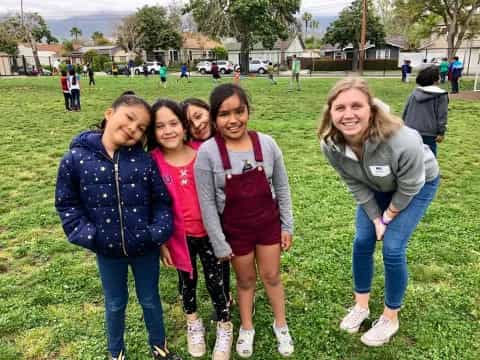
point(129, 36)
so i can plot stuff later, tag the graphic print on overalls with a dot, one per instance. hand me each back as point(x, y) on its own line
point(251, 216)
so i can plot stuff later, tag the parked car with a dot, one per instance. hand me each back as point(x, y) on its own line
point(152, 66)
point(259, 66)
point(204, 67)
point(225, 66)
point(122, 69)
point(32, 72)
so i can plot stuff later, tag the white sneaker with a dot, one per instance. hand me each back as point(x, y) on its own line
point(355, 317)
point(223, 344)
point(244, 345)
point(381, 332)
point(196, 338)
point(285, 342)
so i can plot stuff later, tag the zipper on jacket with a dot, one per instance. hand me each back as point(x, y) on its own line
point(116, 156)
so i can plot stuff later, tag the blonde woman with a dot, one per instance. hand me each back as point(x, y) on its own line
point(393, 178)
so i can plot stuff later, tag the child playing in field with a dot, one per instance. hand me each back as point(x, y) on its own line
point(66, 90)
point(167, 138)
point(427, 108)
point(406, 70)
point(163, 75)
point(112, 201)
point(183, 73)
point(74, 88)
point(236, 76)
point(246, 208)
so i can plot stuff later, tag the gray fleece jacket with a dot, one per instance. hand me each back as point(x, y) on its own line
point(427, 110)
point(402, 165)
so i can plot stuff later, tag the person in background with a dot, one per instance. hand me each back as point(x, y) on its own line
point(296, 67)
point(91, 75)
point(66, 90)
point(444, 70)
point(163, 75)
point(455, 70)
point(427, 108)
point(74, 87)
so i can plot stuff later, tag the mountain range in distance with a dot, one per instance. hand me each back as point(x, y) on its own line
point(106, 22)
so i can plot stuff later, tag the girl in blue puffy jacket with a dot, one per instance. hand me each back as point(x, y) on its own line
point(112, 201)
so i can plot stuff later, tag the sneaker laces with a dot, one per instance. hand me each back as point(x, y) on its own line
point(223, 339)
point(195, 332)
point(355, 314)
point(381, 321)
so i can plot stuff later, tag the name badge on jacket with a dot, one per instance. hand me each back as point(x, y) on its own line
point(380, 170)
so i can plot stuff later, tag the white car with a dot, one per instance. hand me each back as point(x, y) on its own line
point(204, 67)
point(225, 66)
point(259, 66)
point(152, 66)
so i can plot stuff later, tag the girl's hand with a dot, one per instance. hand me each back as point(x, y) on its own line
point(379, 228)
point(439, 138)
point(286, 240)
point(166, 257)
point(226, 258)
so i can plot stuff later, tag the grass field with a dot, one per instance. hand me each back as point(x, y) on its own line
point(51, 304)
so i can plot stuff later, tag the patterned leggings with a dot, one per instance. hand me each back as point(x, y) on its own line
point(214, 279)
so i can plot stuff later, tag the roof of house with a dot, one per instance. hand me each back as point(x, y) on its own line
point(198, 41)
point(56, 48)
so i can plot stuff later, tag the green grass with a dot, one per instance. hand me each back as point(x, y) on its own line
point(51, 304)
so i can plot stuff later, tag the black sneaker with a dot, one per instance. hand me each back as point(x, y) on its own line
point(120, 356)
point(159, 353)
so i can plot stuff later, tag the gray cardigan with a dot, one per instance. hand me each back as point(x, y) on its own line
point(210, 182)
point(402, 164)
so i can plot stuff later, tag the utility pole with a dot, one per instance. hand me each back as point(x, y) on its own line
point(21, 11)
point(363, 37)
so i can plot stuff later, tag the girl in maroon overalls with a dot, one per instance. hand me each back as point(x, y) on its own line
point(246, 208)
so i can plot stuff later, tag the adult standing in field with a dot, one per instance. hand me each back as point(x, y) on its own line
point(296, 67)
point(393, 177)
point(455, 70)
point(145, 69)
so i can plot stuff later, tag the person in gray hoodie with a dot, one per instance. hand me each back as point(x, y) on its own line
point(393, 177)
point(427, 108)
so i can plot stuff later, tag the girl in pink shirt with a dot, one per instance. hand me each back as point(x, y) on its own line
point(175, 157)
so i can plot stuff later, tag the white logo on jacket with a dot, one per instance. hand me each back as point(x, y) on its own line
point(380, 170)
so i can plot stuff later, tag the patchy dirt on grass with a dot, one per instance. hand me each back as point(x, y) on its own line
point(465, 95)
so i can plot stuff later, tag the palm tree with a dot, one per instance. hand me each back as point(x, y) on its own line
point(307, 17)
point(75, 32)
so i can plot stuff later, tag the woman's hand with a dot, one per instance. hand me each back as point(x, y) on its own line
point(439, 138)
point(379, 228)
point(286, 240)
point(166, 256)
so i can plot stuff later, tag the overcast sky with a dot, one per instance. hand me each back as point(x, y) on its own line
point(62, 9)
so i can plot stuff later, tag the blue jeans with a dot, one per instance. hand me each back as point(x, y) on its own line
point(114, 275)
point(431, 142)
point(395, 241)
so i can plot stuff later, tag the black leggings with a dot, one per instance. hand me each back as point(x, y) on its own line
point(214, 279)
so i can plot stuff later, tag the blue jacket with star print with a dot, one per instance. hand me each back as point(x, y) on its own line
point(115, 207)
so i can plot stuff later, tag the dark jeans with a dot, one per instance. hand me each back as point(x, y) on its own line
point(75, 99)
point(395, 241)
point(214, 279)
point(443, 77)
point(68, 100)
point(91, 81)
point(114, 275)
point(430, 141)
point(454, 82)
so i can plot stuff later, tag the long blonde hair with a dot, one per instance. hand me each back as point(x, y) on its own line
point(381, 126)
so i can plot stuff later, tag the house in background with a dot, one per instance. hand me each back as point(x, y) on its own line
point(389, 51)
point(277, 55)
point(195, 46)
point(48, 54)
point(114, 52)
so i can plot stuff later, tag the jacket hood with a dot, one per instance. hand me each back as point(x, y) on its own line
point(426, 93)
point(89, 139)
